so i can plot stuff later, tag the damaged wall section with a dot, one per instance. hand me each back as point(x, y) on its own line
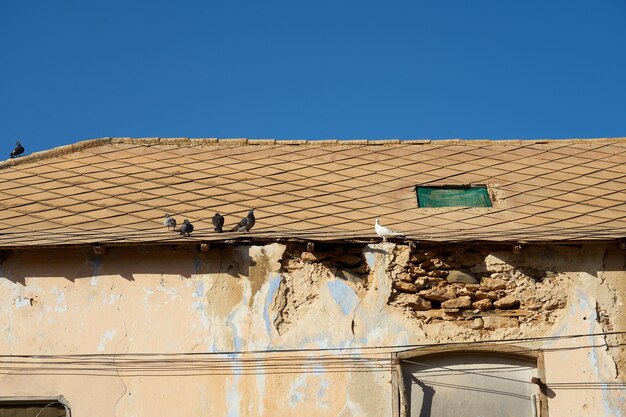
point(489, 285)
point(304, 271)
point(292, 297)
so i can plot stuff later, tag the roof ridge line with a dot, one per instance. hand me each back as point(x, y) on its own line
point(92, 143)
point(58, 151)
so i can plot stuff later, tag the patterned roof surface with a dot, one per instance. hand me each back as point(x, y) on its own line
point(117, 190)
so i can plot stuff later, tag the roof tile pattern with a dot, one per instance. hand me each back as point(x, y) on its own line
point(117, 190)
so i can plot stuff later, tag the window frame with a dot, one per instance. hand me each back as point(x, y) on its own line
point(55, 400)
point(491, 195)
point(398, 386)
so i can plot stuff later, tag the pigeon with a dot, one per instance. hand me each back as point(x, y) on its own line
point(19, 149)
point(246, 223)
point(384, 232)
point(169, 222)
point(218, 222)
point(186, 228)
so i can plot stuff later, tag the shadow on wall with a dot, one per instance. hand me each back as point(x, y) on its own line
point(126, 262)
point(589, 258)
point(427, 398)
point(130, 262)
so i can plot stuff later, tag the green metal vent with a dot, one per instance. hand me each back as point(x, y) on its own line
point(453, 196)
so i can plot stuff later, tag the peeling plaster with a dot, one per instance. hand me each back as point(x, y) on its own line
point(352, 409)
point(261, 392)
point(22, 302)
point(146, 298)
point(112, 298)
point(198, 304)
point(230, 298)
point(107, 337)
point(274, 283)
point(322, 394)
point(233, 399)
point(60, 300)
point(343, 295)
point(296, 395)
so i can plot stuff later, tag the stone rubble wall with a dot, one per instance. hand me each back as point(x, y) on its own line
point(468, 283)
point(459, 283)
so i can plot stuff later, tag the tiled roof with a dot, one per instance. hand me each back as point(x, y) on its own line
point(117, 190)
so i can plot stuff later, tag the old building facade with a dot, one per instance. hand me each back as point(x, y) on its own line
point(509, 307)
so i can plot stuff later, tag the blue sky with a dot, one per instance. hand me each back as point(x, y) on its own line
point(76, 70)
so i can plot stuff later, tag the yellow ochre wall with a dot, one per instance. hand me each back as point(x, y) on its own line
point(151, 331)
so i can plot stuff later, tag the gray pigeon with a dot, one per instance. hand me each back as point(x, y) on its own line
point(169, 222)
point(186, 228)
point(218, 222)
point(246, 223)
point(19, 149)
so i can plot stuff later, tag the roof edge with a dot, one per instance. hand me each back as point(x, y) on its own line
point(58, 151)
point(92, 143)
point(261, 240)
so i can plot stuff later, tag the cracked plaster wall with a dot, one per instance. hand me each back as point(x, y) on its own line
point(169, 300)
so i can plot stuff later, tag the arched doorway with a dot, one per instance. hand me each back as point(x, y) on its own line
point(496, 381)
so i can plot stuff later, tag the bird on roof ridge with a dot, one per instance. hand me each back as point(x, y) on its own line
point(19, 149)
point(385, 232)
point(169, 222)
point(186, 228)
point(218, 222)
point(246, 223)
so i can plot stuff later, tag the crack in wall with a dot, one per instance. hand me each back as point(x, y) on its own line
point(117, 369)
point(353, 321)
point(311, 287)
point(609, 300)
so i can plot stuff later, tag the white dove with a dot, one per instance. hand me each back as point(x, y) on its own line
point(384, 232)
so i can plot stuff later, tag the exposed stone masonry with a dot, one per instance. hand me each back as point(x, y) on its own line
point(483, 287)
point(303, 271)
point(472, 283)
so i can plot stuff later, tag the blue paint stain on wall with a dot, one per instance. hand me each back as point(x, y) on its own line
point(199, 289)
point(96, 262)
point(238, 341)
point(296, 398)
point(321, 392)
point(343, 295)
point(233, 397)
point(199, 293)
point(370, 258)
point(197, 264)
point(295, 394)
point(585, 305)
point(364, 340)
point(274, 283)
